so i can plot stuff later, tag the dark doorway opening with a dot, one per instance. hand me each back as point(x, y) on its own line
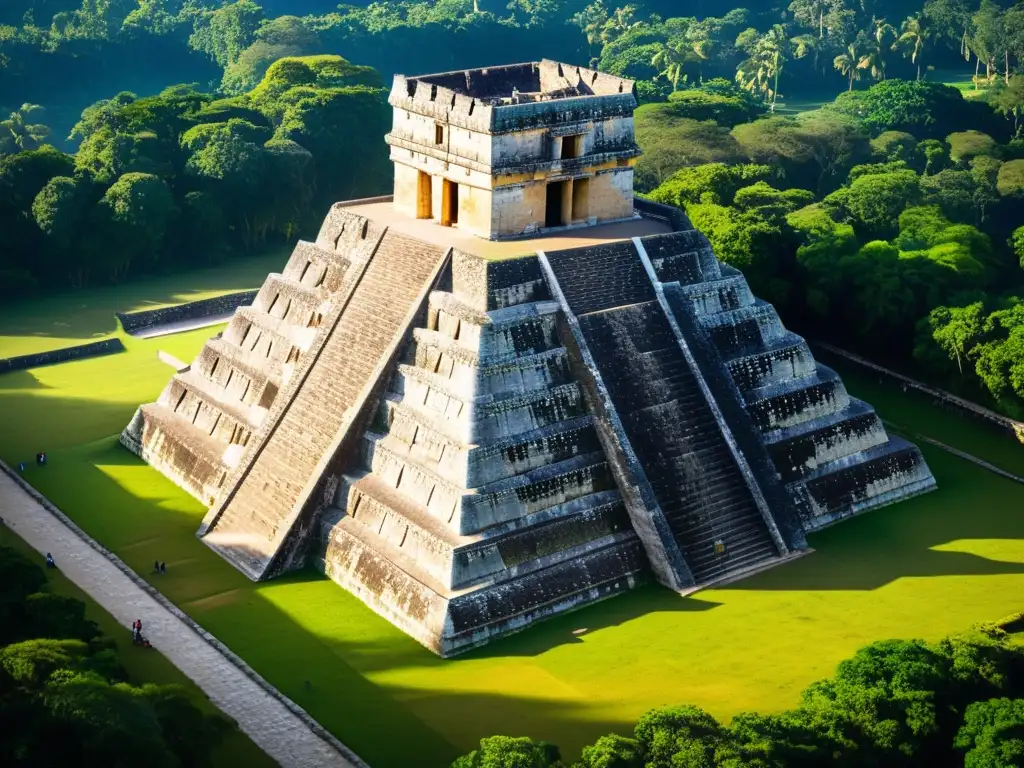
point(553, 204)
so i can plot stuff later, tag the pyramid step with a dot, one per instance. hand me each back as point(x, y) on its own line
point(218, 358)
point(497, 417)
point(715, 296)
point(519, 330)
point(683, 257)
point(473, 466)
point(794, 402)
point(469, 511)
point(799, 451)
point(289, 300)
point(744, 330)
point(458, 562)
point(183, 452)
point(785, 358)
point(316, 267)
point(441, 371)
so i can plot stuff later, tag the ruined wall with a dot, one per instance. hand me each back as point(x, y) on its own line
point(78, 352)
point(133, 322)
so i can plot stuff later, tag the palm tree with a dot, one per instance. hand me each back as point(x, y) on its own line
point(848, 64)
point(702, 42)
point(760, 73)
point(18, 132)
point(671, 58)
point(878, 45)
point(913, 38)
point(619, 24)
point(591, 21)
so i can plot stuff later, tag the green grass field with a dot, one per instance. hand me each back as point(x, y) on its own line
point(53, 322)
point(925, 568)
point(146, 665)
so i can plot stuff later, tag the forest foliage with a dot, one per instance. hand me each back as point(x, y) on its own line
point(878, 217)
point(65, 699)
point(893, 704)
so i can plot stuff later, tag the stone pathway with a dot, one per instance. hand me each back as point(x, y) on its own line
point(277, 725)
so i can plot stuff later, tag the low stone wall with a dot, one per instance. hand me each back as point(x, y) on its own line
point(678, 220)
point(133, 322)
point(79, 352)
point(961, 405)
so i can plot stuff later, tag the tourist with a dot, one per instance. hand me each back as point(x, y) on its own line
point(135, 631)
point(156, 566)
point(21, 466)
point(49, 561)
point(163, 569)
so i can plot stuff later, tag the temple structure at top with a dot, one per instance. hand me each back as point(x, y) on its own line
point(513, 389)
point(515, 150)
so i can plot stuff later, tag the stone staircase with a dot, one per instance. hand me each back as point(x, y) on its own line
point(205, 418)
point(667, 420)
point(268, 502)
point(685, 457)
point(830, 450)
point(482, 500)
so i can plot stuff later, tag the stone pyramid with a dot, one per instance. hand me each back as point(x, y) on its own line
point(469, 444)
point(512, 389)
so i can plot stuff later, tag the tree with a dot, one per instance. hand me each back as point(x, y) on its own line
point(914, 35)
point(671, 58)
point(613, 751)
point(874, 203)
point(224, 33)
point(22, 129)
point(769, 203)
point(684, 735)
point(138, 207)
point(1017, 244)
point(767, 56)
point(509, 752)
point(1010, 182)
point(924, 109)
point(669, 144)
point(1008, 100)
point(848, 64)
point(880, 41)
point(954, 331)
point(951, 21)
point(710, 183)
point(992, 735)
point(964, 146)
point(987, 40)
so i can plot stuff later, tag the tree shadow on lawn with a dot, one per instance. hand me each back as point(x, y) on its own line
point(90, 313)
point(907, 539)
point(21, 380)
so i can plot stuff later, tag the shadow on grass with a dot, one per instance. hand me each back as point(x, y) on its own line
point(913, 538)
point(20, 380)
point(90, 313)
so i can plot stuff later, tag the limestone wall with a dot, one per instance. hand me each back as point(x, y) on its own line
point(132, 322)
point(78, 352)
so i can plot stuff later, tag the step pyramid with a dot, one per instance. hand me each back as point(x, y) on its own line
point(470, 444)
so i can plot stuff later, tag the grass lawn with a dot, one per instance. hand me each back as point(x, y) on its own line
point(147, 666)
point(53, 322)
point(961, 79)
point(928, 567)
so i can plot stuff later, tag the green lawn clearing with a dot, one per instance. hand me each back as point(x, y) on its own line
point(147, 666)
point(962, 80)
point(53, 322)
point(928, 567)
